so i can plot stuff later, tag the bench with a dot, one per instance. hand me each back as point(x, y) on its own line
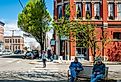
point(86, 73)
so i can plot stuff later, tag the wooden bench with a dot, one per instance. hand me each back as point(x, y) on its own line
point(86, 73)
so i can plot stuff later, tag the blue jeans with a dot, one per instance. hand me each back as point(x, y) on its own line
point(95, 78)
point(74, 73)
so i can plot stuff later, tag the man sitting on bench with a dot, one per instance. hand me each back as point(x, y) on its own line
point(75, 68)
point(98, 71)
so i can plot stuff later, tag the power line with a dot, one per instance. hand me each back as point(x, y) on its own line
point(21, 4)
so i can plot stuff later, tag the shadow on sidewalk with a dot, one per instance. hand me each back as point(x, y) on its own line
point(29, 81)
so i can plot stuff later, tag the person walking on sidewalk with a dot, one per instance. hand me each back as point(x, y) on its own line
point(75, 68)
point(44, 56)
point(98, 71)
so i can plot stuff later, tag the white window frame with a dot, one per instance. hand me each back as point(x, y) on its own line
point(59, 11)
point(89, 8)
point(119, 11)
point(111, 9)
point(80, 6)
point(65, 6)
point(97, 9)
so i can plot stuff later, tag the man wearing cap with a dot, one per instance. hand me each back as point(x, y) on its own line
point(98, 71)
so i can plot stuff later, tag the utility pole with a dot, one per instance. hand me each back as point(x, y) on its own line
point(12, 39)
point(21, 4)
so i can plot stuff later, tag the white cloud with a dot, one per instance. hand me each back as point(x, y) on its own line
point(9, 26)
point(12, 25)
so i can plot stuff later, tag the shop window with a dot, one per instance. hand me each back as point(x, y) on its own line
point(59, 11)
point(117, 35)
point(97, 10)
point(78, 10)
point(119, 11)
point(88, 10)
point(111, 11)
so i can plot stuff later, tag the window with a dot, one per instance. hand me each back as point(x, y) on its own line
point(88, 10)
point(10, 47)
point(10, 40)
point(59, 11)
point(111, 11)
point(67, 9)
point(13, 40)
point(18, 40)
point(78, 10)
point(6, 40)
point(6, 47)
point(97, 10)
point(16, 47)
point(119, 10)
point(117, 35)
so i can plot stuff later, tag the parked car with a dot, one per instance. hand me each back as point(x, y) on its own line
point(36, 53)
point(6, 52)
point(18, 52)
point(31, 54)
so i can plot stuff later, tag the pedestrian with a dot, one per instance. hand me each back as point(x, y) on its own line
point(49, 54)
point(75, 68)
point(44, 56)
point(98, 71)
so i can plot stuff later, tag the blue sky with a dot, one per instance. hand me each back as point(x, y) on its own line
point(11, 8)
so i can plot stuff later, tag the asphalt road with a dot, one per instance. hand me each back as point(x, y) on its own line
point(16, 64)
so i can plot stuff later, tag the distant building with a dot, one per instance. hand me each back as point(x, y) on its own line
point(1, 35)
point(13, 43)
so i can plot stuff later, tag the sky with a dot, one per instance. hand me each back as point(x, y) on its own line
point(9, 14)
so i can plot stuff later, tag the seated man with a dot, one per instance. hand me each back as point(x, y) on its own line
point(75, 68)
point(98, 71)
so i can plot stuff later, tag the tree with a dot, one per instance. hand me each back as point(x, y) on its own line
point(35, 19)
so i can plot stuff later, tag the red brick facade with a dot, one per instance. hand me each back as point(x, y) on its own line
point(106, 14)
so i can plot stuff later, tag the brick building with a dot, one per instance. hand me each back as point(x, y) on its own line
point(1, 35)
point(106, 14)
point(13, 43)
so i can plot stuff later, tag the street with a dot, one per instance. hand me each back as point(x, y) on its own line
point(24, 70)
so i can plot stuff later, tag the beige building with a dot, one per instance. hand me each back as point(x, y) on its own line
point(1, 35)
point(13, 43)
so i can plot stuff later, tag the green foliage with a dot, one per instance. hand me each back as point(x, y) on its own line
point(35, 19)
point(83, 32)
